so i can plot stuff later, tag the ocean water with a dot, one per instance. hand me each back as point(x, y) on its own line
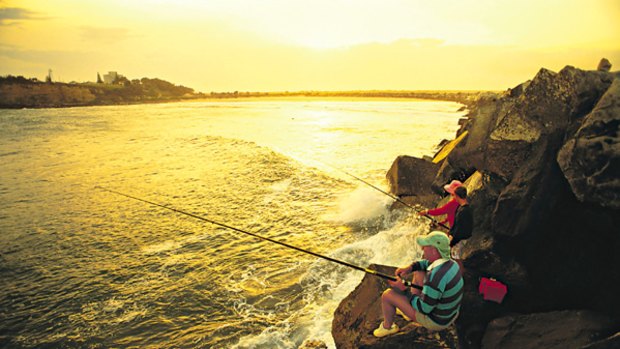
point(84, 268)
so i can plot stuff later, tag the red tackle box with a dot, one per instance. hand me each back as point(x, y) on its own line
point(492, 290)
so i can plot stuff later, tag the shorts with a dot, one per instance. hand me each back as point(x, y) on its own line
point(457, 249)
point(430, 324)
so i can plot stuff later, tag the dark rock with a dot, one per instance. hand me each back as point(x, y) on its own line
point(446, 174)
point(411, 176)
point(548, 105)
point(469, 154)
point(483, 199)
point(611, 342)
point(568, 256)
point(512, 132)
point(518, 90)
point(582, 90)
point(604, 65)
point(475, 312)
point(483, 118)
point(590, 160)
point(532, 193)
point(506, 156)
point(542, 107)
point(562, 329)
point(360, 313)
point(481, 255)
point(442, 143)
point(448, 147)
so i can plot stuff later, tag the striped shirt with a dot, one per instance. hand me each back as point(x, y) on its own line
point(442, 291)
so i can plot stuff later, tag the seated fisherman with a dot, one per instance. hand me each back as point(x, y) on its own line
point(437, 305)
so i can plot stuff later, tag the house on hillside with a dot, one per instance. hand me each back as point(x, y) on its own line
point(112, 78)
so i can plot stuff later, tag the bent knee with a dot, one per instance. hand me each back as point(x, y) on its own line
point(388, 294)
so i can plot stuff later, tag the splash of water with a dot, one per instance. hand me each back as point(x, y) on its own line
point(326, 284)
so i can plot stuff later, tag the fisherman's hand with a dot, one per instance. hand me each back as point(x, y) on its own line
point(398, 284)
point(401, 271)
point(423, 213)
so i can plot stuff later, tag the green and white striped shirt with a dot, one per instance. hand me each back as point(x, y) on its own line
point(442, 291)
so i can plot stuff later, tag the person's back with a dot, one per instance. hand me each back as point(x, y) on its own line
point(442, 291)
point(463, 224)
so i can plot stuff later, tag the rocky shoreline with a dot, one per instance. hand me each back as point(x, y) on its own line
point(542, 165)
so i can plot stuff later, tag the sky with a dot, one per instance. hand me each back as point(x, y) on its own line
point(291, 45)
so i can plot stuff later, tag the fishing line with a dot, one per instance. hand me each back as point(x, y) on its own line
point(353, 266)
point(388, 194)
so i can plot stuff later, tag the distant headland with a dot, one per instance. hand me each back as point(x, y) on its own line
point(115, 89)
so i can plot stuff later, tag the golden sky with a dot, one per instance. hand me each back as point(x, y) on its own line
point(278, 45)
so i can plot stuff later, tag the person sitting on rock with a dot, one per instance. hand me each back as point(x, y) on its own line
point(463, 223)
point(437, 305)
point(449, 209)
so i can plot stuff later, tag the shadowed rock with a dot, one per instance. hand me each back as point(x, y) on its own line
point(611, 342)
point(554, 330)
point(411, 176)
point(604, 65)
point(590, 160)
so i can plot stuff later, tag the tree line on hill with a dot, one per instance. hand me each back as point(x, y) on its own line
point(19, 92)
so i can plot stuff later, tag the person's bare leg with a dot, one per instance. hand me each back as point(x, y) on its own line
point(390, 300)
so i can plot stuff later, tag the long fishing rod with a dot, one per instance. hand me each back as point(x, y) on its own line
point(353, 266)
point(390, 195)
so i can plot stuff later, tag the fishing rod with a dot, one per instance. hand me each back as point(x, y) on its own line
point(390, 195)
point(353, 266)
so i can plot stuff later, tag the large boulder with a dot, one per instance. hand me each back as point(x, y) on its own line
point(360, 313)
point(446, 174)
point(532, 193)
point(611, 342)
point(549, 104)
point(590, 160)
point(411, 176)
point(468, 155)
point(561, 329)
point(604, 65)
point(482, 196)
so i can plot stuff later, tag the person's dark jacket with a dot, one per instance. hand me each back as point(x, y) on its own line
point(463, 224)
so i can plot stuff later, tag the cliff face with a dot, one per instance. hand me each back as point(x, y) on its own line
point(542, 165)
point(43, 95)
point(30, 94)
